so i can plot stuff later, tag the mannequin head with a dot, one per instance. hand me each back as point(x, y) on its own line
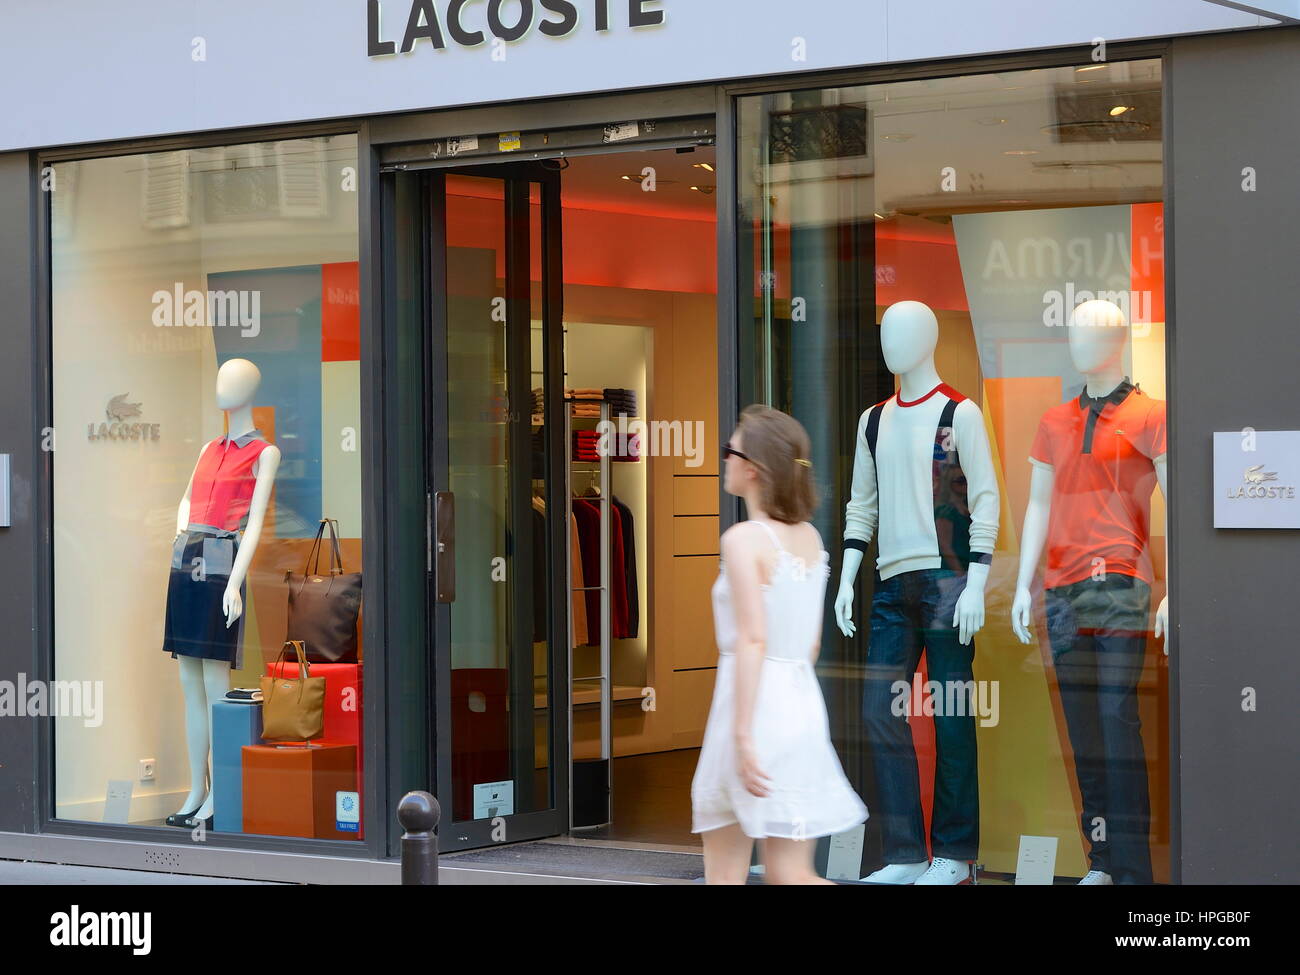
point(909, 333)
point(1098, 334)
point(237, 383)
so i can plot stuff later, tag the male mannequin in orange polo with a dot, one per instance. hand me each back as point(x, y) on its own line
point(1097, 458)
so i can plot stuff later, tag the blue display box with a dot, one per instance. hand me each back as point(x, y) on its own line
point(234, 725)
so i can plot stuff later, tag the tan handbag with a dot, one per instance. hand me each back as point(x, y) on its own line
point(293, 708)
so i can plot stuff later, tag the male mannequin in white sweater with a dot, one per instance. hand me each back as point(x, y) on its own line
point(923, 476)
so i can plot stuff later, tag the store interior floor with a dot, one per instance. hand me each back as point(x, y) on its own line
point(652, 801)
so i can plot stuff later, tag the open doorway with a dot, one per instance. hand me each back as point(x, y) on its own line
point(571, 405)
point(640, 277)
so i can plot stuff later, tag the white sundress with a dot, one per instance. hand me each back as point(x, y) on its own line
point(808, 794)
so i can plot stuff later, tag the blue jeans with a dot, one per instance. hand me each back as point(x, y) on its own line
point(911, 612)
point(1097, 629)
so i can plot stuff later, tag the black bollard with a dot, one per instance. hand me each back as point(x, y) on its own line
point(418, 812)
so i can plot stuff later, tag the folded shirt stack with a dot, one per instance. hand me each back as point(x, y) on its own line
point(586, 444)
point(622, 402)
point(630, 452)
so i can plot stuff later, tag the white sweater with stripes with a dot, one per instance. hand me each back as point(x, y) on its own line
point(893, 496)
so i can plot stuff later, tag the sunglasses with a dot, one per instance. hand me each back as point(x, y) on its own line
point(730, 451)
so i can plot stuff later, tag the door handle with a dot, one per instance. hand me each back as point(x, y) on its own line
point(444, 546)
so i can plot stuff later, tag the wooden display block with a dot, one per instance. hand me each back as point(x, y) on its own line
point(290, 790)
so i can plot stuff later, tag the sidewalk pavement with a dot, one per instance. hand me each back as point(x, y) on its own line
point(29, 873)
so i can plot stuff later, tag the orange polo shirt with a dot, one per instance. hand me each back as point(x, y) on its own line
point(1101, 452)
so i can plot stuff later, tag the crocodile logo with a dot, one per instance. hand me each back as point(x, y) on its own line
point(1257, 475)
point(119, 409)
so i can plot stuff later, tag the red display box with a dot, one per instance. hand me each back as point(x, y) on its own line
point(343, 697)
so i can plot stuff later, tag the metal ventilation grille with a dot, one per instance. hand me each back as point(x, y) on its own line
point(301, 178)
point(165, 190)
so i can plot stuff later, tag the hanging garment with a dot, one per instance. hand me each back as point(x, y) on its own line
point(618, 609)
point(540, 575)
point(587, 554)
point(630, 584)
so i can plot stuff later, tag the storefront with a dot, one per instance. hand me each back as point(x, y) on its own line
point(257, 371)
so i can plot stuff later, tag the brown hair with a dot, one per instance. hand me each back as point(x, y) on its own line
point(778, 446)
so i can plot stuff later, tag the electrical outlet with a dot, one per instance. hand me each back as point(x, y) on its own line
point(148, 767)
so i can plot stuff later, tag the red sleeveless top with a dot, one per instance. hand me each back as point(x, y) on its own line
point(223, 481)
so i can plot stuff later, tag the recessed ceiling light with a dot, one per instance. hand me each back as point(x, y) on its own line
point(1120, 110)
point(1020, 152)
point(1090, 67)
point(898, 136)
point(992, 120)
point(639, 178)
point(705, 189)
point(707, 166)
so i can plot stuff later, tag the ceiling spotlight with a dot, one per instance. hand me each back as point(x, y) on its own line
point(1090, 67)
point(1020, 152)
point(1120, 110)
point(705, 189)
point(898, 136)
point(708, 166)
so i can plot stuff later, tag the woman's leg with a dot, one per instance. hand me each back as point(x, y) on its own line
point(727, 852)
point(789, 862)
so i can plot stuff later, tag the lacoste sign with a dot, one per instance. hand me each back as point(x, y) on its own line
point(471, 23)
point(118, 426)
point(1255, 478)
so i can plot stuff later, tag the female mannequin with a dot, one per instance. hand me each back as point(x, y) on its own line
point(210, 558)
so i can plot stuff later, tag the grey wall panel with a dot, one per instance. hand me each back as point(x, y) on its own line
point(18, 437)
point(1234, 358)
point(136, 68)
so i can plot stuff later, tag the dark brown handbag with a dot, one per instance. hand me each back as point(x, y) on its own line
point(323, 608)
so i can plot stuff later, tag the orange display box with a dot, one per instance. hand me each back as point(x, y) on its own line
point(290, 790)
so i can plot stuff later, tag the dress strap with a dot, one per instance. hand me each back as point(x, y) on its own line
point(770, 534)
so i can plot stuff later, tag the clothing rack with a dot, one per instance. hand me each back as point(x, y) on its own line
point(594, 809)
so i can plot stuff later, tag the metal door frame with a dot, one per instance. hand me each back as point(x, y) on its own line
point(516, 178)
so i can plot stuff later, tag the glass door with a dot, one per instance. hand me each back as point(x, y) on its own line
point(498, 519)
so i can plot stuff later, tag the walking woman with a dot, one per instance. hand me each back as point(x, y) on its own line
point(767, 769)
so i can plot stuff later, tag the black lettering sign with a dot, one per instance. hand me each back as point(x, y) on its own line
point(506, 20)
point(422, 10)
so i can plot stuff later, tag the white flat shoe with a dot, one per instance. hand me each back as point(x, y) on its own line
point(1095, 878)
point(897, 873)
point(944, 873)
